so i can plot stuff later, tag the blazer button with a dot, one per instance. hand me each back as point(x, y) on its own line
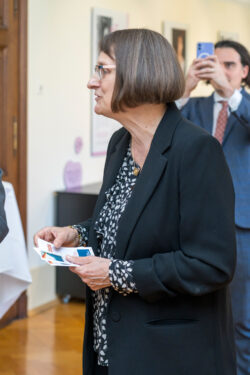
point(115, 316)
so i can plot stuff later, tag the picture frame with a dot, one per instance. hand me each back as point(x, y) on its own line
point(177, 35)
point(103, 22)
point(222, 35)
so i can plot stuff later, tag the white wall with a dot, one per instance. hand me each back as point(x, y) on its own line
point(59, 102)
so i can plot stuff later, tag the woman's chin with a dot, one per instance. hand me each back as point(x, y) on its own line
point(98, 110)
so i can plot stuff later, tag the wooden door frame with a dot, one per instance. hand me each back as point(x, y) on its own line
point(22, 99)
point(19, 309)
point(22, 136)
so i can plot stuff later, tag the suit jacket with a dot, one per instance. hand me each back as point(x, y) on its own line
point(178, 227)
point(236, 147)
point(3, 224)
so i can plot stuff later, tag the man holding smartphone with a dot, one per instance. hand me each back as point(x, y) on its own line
point(226, 115)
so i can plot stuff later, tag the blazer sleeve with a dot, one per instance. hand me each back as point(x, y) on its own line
point(205, 260)
point(3, 224)
point(187, 108)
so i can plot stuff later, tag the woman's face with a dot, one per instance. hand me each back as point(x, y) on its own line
point(103, 85)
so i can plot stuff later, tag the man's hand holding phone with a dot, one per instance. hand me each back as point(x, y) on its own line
point(207, 68)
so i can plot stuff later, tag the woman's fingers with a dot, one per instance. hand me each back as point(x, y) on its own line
point(93, 271)
point(59, 236)
point(44, 234)
point(80, 260)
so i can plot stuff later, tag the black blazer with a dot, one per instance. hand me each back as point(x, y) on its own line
point(178, 227)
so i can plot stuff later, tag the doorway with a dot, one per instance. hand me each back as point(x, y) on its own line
point(13, 100)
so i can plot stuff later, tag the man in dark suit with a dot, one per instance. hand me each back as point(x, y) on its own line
point(3, 225)
point(226, 115)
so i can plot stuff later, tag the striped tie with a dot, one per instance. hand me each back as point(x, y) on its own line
point(221, 121)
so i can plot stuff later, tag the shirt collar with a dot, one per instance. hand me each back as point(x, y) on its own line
point(218, 98)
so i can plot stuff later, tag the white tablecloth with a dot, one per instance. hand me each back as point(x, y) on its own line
point(14, 271)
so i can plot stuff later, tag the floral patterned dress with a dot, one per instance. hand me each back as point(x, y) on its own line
point(120, 271)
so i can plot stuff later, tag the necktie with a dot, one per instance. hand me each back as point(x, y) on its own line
point(221, 121)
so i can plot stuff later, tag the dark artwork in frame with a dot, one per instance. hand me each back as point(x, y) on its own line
point(179, 44)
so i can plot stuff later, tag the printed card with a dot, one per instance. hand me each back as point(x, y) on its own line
point(57, 257)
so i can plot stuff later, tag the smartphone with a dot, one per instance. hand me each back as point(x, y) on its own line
point(204, 49)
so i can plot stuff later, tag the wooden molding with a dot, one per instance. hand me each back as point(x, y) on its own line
point(19, 309)
point(22, 177)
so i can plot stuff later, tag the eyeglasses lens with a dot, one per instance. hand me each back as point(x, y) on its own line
point(98, 71)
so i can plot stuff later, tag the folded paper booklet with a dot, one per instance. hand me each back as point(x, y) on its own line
point(57, 257)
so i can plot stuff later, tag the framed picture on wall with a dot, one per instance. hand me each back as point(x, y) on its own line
point(177, 34)
point(103, 22)
point(222, 35)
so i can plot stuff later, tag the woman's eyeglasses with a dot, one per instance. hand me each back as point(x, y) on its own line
point(101, 70)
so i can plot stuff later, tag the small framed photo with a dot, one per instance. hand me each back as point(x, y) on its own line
point(222, 35)
point(177, 35)
point(103, 22)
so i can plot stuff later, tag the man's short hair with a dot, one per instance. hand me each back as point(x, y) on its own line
point(242, 51)
point(147, 69)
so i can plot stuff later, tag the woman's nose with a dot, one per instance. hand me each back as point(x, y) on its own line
point(94, 82)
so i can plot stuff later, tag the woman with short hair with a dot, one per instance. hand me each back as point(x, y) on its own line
point(163, 226)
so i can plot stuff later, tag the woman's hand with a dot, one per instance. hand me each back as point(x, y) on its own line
point(93, 271)
point(59, 236)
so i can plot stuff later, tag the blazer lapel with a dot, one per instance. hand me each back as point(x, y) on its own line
point(207, 114)
point(154, 167)
point(230, 124)
point(114, 165)
point(231, 121)
point(115, 161)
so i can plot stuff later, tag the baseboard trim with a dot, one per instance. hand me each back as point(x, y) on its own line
point(44, 307)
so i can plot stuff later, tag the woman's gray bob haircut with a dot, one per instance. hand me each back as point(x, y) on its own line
point(147, 69)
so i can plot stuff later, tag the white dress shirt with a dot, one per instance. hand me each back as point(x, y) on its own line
point(233, 102)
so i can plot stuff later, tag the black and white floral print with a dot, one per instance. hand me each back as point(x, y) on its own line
point(83, 234)
point(120, 271)
point(120, 274)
